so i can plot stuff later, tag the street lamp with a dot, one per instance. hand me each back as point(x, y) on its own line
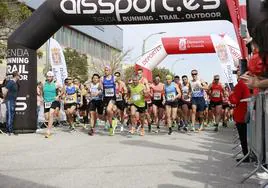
point(144, 41)
point(174, 63)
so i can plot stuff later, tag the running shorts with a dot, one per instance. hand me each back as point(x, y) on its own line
point(96, 105)
point(200, 103)
point(54, 105)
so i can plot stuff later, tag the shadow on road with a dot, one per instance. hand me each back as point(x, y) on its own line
point(215, 170)
point(11, 182)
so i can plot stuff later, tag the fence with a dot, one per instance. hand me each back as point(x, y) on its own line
point(257, 131)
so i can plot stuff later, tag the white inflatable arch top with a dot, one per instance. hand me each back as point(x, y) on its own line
point(227, 51)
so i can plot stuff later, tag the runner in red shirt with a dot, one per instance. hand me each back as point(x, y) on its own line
point(216, 93)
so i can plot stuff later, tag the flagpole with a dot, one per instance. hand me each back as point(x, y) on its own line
point(48, 53)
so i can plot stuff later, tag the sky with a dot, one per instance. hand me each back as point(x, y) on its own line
point(207, 64)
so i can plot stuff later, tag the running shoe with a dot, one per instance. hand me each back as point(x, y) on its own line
point(262, 175)
point(122, 128)
point(173, 124)
point(138, 128)
point(47, 135)
point(91, 132)
point(224, 124)
point(111, 132)
point(216, 129)
point(142, 132)
point(193, 129)
point(132, 130)
point(201, 128)
point(185, 128)
point(106, 126)
point(149, 128)
point(170, 131)
point(72, 127)
point(157, 129)
point(114, 123)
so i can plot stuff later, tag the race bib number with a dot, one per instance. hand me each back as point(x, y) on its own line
point(48, 105)
point(136, 97)
point(157, 96)
point(170, 96)
point(216, 94)
point(119, 97)
point(109, 92)
point(196, 89)
point(69, 99)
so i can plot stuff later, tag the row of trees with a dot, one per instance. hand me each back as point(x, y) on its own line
point(77, 66)
point(12, 14)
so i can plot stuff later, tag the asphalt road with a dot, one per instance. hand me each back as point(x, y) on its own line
point(74, 159)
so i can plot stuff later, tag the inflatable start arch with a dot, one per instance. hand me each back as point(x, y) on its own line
point(53, 14)
point(227, 50)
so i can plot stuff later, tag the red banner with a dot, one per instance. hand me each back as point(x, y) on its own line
point(234, 11)
point(188, 45)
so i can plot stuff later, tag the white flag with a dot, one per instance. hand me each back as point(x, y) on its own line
point(226, 58)
point(57, 61)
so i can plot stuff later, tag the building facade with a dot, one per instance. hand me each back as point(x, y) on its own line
point(99, 43)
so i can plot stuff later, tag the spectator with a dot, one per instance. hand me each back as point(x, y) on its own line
point(240, 92)
point(10, 92)
point(260, 42)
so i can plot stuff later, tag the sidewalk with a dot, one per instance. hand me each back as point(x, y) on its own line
point(194, 160)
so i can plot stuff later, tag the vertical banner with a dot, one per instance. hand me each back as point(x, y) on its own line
point(24, 60)
point(234, 49)
point(225, 57)
point(57, 60)
point(234, 10)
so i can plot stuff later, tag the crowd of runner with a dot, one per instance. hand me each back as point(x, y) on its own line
point(186, 104)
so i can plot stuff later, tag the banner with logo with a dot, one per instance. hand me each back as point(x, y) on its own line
point(188, 45)
point(139, 11)
point(152, 58)
point(225, 58)
point(19, 59)
point(234, 49)
point(57, 61)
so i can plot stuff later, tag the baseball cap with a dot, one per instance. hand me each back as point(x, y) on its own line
point(50, 73)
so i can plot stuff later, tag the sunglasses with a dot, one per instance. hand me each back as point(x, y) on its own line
point(194, 74)
point(217, 79)
point(116, 75)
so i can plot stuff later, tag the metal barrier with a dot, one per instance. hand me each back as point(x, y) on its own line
point(257, 129)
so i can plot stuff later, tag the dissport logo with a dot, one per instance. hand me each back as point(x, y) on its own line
point(119, 7)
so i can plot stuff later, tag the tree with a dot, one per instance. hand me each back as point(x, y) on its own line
point(162, 72)
point(128, 73)
point(115, 62)
point(12, 14)
point(77, 65)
